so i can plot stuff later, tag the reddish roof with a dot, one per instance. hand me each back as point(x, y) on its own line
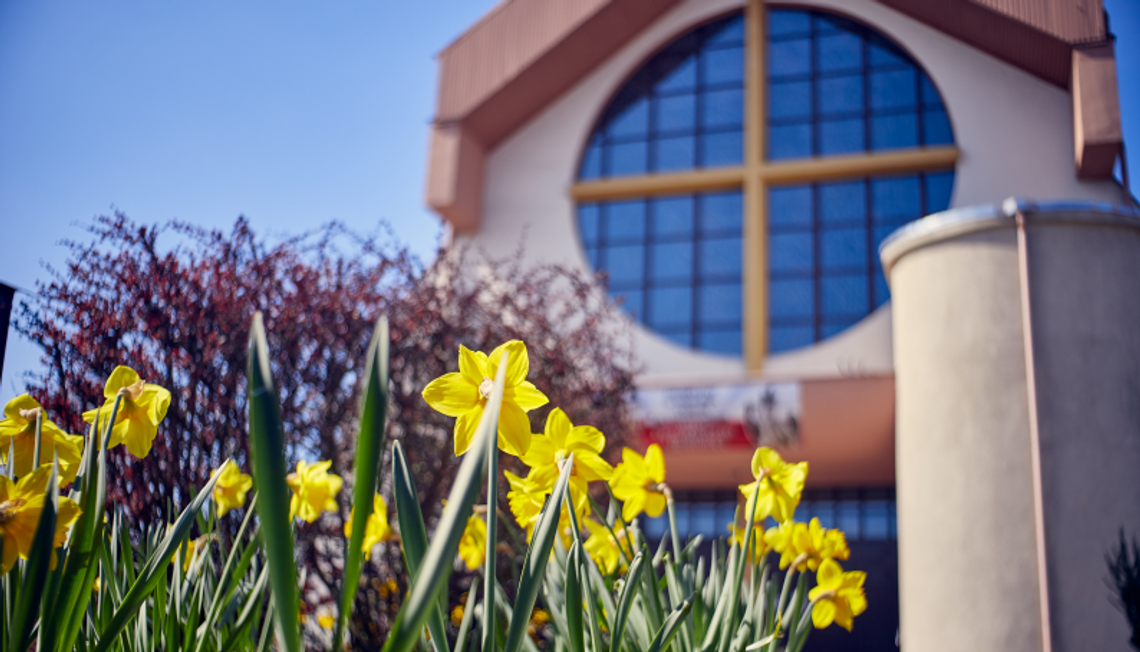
point(1035, 35)
point(525, 53)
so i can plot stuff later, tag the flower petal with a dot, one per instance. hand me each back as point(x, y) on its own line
point(138, 436)
point(10, 554)
point(842, 614)
point(465, 427)
point(157, 402)
point(540, 453)
point(518, 362)
point(557, 427)
point(473, 365)
point(830, 575)
point(823, 613)
point(21, 402)
point(858, 603)
point(654, 503)
point(586, 438)
point(121, 377)
point(35, 483)
point(89, 415)
point(631, 457)
point(525, 395)
point(543, 478)
point(451, 394)
point(656, 462)
point(514, 430)
point(633, 506)
point(590, 466)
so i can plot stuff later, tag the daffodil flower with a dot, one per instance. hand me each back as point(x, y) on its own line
point(314, 490)
point(526, 500)
point(738, 537)
point(560, 440)
point(838, 596)
point(602, 547)
point(638, 482)
point(818, 544)
point(231, 488)
point(376, 529)
point(464, 395)
point(473, 545)
point(194, 549)
point(781, 539)
point(807, 545)
point(21, 504)
point(18, 431)
point(142, 408)
point(780, 486)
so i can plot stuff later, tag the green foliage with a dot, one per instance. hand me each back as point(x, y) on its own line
point(134, 596)
point(164, 590)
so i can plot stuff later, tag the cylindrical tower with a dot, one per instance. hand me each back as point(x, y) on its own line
point(1017, 354)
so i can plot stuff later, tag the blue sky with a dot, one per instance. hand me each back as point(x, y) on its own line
point(291, 113)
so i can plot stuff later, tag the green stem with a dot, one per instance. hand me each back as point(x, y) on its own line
point(794, 621)
point(783, 601)
point(628, 556)
point(489, 566)
point(673, 532)
point(39, 438)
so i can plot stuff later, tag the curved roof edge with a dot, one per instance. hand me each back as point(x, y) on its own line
point(525, 53)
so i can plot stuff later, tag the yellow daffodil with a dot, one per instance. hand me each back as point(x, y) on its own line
point(464, 394)
point(326, 620)
point(738, 537)
point(526, 501)
point(638, 483)
point(143, 407)
point(473, 545)
point(602, 547)
point(818, 544)
point(231, 488)
point(781, 539)
point(376, 530)
point(21, 504)
point(780, 485)
point(561, 439)
point(838, 596)
point(18, 432)
point(194, 549)
point(806, 544)
point(314, 490)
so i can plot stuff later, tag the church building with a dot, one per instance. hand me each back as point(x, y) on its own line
point(893, 238)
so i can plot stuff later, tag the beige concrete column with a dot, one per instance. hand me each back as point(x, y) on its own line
point(968, 532)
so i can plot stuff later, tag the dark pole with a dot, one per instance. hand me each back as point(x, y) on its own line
point(7, 299)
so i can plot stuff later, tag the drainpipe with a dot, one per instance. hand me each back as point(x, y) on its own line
point(1013, 208)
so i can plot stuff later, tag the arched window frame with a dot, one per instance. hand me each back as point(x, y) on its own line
point(757, 175)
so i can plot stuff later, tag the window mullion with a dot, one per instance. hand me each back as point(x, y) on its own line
point(754, 285)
